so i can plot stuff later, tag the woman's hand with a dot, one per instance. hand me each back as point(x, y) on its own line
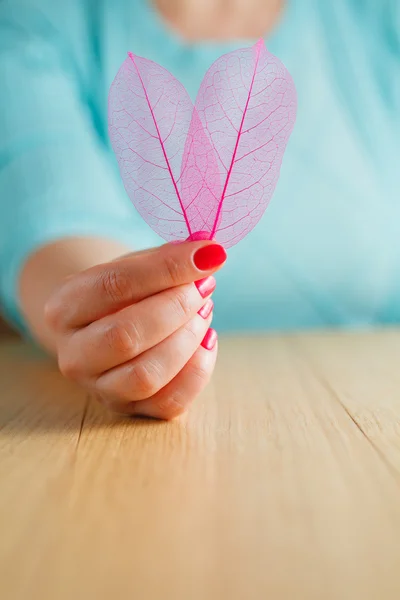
point(137, 330)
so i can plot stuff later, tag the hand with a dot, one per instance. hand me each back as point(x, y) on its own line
point(136, 330)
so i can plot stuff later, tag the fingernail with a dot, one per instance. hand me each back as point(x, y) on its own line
point(209, 257)
point(206, 286)
point(206, 309)
point(210, 339)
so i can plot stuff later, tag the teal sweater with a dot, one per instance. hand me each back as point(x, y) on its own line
point(327, 251)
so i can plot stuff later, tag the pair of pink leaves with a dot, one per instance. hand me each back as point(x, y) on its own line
point(205, 171)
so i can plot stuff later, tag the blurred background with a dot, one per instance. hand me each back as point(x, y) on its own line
point(325, 253)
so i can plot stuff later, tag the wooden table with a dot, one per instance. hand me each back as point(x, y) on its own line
point(283, 482)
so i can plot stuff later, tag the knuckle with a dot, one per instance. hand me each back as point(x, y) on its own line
point(69, 366)
point(145, 379)
point(182, 303)
point(173, 270)
point(115, 405)
point(194, 331)
point(122, 340)
point(171, 406)
point(200, 373)
point(53, 313)
point(175, 404)
point(58, 305)
point(115, 284)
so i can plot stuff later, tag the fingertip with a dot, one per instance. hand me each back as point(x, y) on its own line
point(206, 309)
point(210, 339)
point(209, 257)
point(206, 286)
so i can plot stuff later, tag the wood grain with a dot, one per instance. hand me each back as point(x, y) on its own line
point(282, 482)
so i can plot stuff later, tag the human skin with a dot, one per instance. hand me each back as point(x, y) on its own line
point(128, 328)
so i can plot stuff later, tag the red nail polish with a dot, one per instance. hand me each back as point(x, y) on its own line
point(210, 339)
point(206, 286)
point(209, 257)
point(206, 309)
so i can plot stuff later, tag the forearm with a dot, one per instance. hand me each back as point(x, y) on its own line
point(48, 267)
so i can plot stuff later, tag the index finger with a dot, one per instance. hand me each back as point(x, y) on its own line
point(107, 288)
